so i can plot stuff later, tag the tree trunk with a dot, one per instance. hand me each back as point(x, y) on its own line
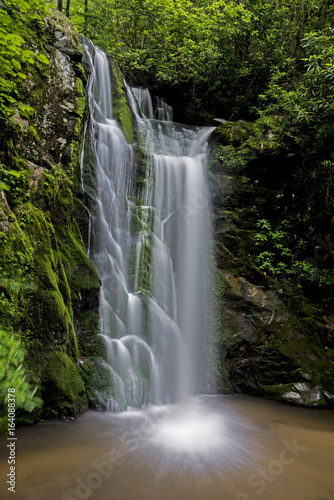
point(60, 5)
point(86, 23)
point(68, 8)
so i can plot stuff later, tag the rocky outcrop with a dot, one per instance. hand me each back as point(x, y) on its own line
point(273, 340)
point(49, 288)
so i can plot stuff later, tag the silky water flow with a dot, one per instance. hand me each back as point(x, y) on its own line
point(150, 246)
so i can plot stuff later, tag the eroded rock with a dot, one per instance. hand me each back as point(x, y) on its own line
point(65, 42)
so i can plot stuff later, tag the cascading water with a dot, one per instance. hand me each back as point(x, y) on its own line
point(151, 246)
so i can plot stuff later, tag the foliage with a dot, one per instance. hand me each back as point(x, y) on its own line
point(224, 53)
point(174, 41)
point(307, 100)
point(13, 376)
point(16, 17)
point(275, 255)
point(277, 259)
point(307, 271)
point(16, 183)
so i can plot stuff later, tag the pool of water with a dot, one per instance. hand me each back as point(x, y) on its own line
point(211, 447)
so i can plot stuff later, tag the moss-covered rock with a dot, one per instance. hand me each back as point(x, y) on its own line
point(100, 387)
point(272, 337)
point(120, 106)
point(266, 350)
point(48, 285)
point(62, 389)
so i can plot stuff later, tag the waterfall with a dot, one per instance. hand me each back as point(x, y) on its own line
point(151, 246)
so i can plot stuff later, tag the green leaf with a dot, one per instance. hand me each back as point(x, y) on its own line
point(14, 173)
point(25, 108)
point(43, 59)
point(4, 186)
point(16, 64)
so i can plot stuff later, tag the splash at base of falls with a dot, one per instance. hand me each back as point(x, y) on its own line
point(190, 435)
point(191, 428)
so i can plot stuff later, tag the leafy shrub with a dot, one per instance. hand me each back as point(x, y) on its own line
point(13, 376)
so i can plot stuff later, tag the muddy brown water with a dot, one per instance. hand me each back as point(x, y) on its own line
point(212, 447)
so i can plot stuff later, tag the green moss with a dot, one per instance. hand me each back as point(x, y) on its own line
point(121, 109)
point(76, 140)
point(123, 115)
point(100, 385)
point(136, 223)
point(233, 160)
point(48, 286)
point(80, 98)
point(62, 389)
point(33, 135)
point(20, 163)
point(145, 270)
point(265, 348)
point(264, 136)
point(81, 73)
point(17, 182)
point(90, 344)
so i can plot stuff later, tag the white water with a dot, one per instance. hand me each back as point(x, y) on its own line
point(151, 246)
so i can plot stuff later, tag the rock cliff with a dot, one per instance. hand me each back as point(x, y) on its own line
point(275, 338)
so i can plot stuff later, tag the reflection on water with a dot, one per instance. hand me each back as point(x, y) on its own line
point(213, 447)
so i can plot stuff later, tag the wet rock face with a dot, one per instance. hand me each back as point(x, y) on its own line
point(66, 43)
point(53, 93)
point(265, 350)
point(268, 338)
point(263, 368)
